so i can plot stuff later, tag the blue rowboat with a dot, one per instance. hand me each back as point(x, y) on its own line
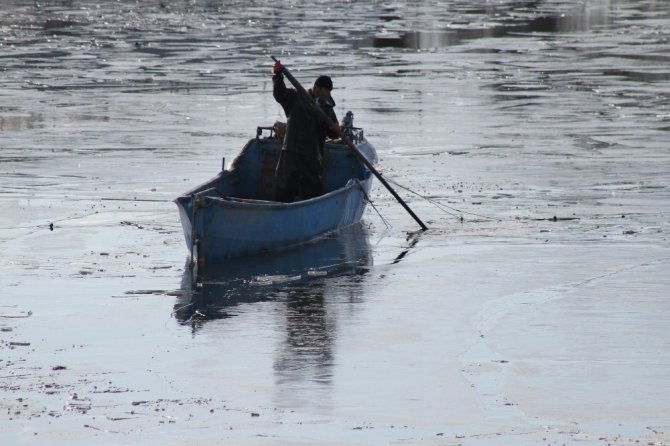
point(234, 215)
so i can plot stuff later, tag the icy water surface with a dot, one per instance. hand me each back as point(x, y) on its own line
point(531, 136)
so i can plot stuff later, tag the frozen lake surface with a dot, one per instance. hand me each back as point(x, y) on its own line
point(531, 136)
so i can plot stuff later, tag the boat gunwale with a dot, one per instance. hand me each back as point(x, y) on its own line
point(271, 205)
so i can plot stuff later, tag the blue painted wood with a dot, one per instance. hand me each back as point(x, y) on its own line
point(233, 214)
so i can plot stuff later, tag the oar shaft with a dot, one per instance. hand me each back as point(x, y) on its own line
point(324, 117)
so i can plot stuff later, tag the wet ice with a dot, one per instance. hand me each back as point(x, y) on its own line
point(532, 309)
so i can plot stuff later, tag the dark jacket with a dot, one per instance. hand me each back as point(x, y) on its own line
point(305, 133)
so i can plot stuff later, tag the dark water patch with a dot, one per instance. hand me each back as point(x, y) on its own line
point(386, 110)
point(589, 143)
point(37, 57)
point(454, 36)
point(520, 87)
point(155, 51)
point(141, 85)
point(492, 51)
point(637, 76)
point(52, 24)
point(647, 57)
point(22, 159)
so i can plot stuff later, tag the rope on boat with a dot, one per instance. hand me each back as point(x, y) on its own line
point(369, 200)
point(443, 207)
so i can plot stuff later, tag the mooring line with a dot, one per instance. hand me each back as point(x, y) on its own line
point(369, 200)
point(441, 206)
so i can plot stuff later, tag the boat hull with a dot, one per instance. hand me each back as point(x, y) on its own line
point(221, 226)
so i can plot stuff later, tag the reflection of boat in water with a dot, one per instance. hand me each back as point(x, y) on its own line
point(308, 289)
point(213, 292)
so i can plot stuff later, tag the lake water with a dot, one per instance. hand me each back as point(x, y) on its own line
point(533, 138)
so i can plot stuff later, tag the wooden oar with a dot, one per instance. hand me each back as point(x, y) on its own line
point(323, 116)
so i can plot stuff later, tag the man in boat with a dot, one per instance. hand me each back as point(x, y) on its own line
point(299, 173)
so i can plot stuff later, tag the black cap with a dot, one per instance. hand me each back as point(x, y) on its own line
point(324, 81)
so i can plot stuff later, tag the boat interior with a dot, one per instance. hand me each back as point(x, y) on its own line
point(251, 175)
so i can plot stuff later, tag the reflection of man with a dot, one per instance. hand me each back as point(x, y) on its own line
point(299, 173)
point(307, 353)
